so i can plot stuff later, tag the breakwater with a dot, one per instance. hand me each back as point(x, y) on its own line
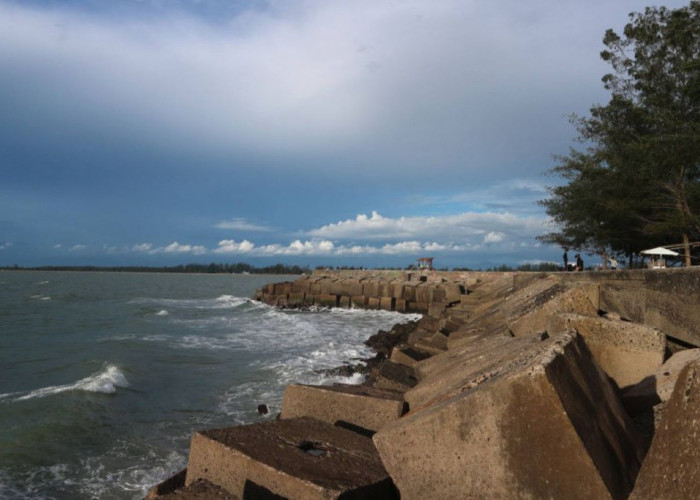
point(512, 385)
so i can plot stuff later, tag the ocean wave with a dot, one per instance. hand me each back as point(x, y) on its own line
point(162, 312)
point(105, 382)
point(40, 297)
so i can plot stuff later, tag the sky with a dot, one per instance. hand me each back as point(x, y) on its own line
point(311, 132)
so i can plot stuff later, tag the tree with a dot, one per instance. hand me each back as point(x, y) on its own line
point(643, 147)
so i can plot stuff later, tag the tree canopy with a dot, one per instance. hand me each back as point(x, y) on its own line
point(636, 181)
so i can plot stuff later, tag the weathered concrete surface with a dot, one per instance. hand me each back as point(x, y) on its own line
point(394, 376)
point(628, 352)
point(672, 467)
point(663, 298)
point(658, 387)
point(369, 408)
point(556, 300)
point(550, 426)
point(295, 458)
point(408, 356)
point(457, 370)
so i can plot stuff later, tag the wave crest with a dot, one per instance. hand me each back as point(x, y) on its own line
point(105, 382)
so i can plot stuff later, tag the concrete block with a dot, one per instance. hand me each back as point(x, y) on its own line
point(394, 376)
point(628, 352)
point(370, 289)
point(434, 344)
point(409, 291)
point(658, 387)
point(386, 303)
point(398, 290)
point(373, 303)
point(302, 285)
point(408, 356)
point(283, 288)
point(400, 305)
point(358, 301)
point(295, 299)
point(435, 309)
point(438, 294)
point(417, 307)
point(309, 299)
point(327, 300)
point(671, 469)
point(293, 458)
point(423, 294)
point(450, 372)
point(547, 303)
point(344, 301)
point(545, 425)
point(363, 407)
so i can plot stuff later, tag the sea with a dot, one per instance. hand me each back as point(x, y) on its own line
point(104, 377)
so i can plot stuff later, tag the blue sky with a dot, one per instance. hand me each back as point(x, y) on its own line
point(359, 132)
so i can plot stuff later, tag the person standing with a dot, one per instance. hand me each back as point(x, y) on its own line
point(579, 262)
point(566, 259)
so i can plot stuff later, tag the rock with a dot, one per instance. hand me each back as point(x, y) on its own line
point(671, 469)
point(199, 490)
point(547, 425)
point(393, 376)
point(173, 483)
point(293, 458)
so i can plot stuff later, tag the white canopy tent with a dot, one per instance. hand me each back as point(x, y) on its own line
point(657, 256)
point(660, 251)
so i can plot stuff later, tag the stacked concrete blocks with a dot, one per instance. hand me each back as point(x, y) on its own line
point(549, 426)
point(293, 458)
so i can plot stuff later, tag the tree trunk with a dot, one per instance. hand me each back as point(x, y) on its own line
point(605, 259)
point(686, 250)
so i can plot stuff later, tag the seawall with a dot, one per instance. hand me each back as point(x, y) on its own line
point(512, 385)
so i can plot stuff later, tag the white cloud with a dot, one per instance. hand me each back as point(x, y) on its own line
point(142, 247)
point(77, 248)
point(468, 227)
point(5, 245)
point(172, 248)
point(240, 224)
point(493, 237)
point(58, 246)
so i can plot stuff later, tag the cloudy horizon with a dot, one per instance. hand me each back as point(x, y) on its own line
point(361, 132)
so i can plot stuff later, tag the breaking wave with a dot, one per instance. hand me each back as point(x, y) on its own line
point(105, 382)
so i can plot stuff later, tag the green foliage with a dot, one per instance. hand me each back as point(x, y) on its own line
point(212, 268)
point(637, 182)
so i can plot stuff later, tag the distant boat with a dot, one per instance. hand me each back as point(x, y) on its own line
point(245, 272)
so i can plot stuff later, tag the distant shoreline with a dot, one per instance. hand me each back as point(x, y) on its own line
point(179, 269)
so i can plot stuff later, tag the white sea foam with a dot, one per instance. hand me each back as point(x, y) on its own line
point(105, 381)
point(40, 297)
point(162, 312)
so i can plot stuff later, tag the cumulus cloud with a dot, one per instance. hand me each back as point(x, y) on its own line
point(241, 224)
point(468, 227)
point(328, 248)
point(493, 237)
point(172, 248)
